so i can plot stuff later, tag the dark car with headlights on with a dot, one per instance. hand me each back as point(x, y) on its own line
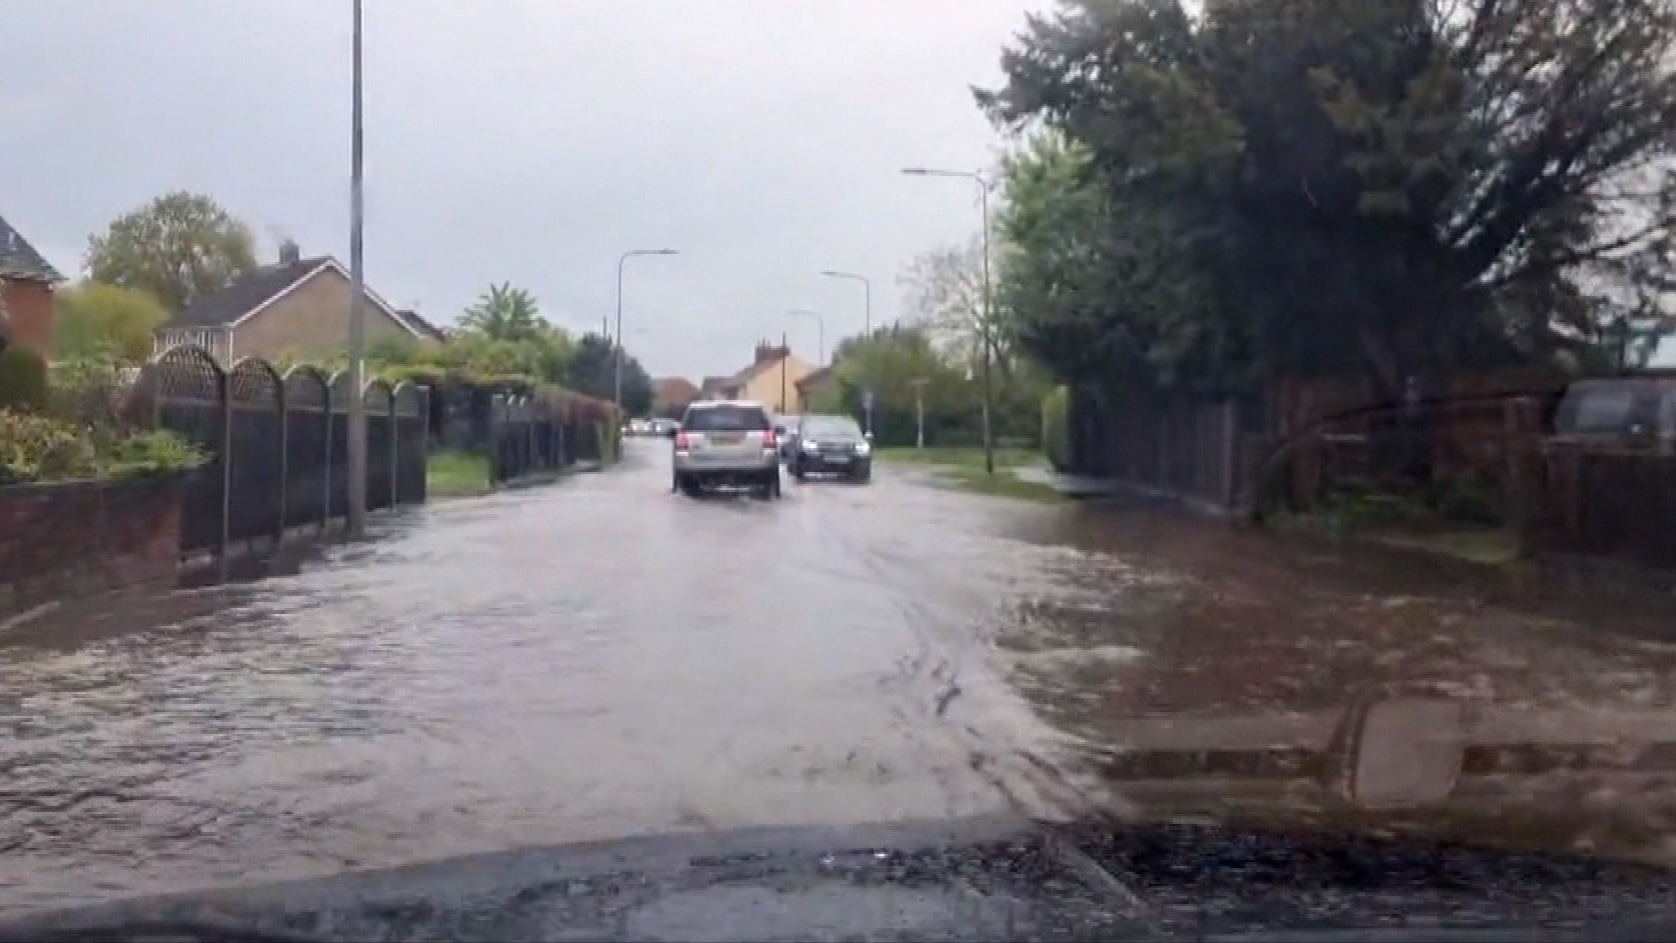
point(832, 445)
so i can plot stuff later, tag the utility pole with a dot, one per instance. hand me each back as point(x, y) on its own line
point(357, 418)
point(988, 313)
point(783, 346)
point(919, 412)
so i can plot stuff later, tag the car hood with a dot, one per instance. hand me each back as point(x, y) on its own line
point(979, 879)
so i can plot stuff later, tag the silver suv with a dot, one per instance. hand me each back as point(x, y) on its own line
point(727, 442)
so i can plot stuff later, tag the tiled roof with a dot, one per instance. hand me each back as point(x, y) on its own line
point(814, 376)
point(18, 259)
point(246, 293)
point(421, 326)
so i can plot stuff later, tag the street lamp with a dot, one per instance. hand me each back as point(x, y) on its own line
point(820, 329)
point(867, 289)
point(985, 326)
point(356, 421)
point(617, 380)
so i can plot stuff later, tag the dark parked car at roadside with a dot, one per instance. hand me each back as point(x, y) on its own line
point(832, 445)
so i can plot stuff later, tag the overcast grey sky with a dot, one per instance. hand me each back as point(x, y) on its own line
point(529, 141)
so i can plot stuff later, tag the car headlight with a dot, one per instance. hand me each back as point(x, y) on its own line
point(862, 448)
point(810, 445)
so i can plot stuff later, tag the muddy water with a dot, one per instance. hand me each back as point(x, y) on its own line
point(602, 659)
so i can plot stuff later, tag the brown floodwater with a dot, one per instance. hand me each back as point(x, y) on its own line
point(601, 659)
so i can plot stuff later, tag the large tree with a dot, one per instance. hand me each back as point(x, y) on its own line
point(1390, 186)
point(177, 248)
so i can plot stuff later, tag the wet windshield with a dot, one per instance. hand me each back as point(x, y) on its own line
point(1225, 478)
point(826, 427)
point(725, 419)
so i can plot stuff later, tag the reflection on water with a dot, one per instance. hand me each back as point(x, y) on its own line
point(1210, 672)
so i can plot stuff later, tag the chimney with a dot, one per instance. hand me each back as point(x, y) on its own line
point(767, 352)
point(289, 254)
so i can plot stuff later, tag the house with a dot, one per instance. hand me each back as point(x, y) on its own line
point(296, 307)
point(670, 396)
point(771, 379)
point(817, 385)
point(27, 283)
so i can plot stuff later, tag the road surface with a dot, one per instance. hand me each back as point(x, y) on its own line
point(602, 659)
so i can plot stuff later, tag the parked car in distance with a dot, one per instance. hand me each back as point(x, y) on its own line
point(665, 427)
point(832, 445)
point(727, 443)
point(786, 428)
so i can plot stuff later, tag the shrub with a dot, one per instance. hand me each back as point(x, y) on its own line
point(1056, 430)
point(41, 448)
point(37, 448)
point(149, 453)
point(23, 379)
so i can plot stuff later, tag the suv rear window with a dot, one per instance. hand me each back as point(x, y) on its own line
point(726, 419)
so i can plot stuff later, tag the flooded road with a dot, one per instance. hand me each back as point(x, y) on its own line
point(602, 659)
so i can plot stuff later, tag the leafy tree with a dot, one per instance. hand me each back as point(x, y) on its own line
point(177, 248)
point(96, 321)
point(593, 372)
point(1389, 186)
point(504, 313)
point(889, 361)
point(945, 290)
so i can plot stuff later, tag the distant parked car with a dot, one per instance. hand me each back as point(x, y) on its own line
point(727, 442)
point(832, 445)
point(665, 427)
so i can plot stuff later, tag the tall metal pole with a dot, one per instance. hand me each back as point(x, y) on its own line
point(820, 330)
point(617, 373)
point(987, 317)
point(357, 418)
point(617, 366)
point(988, 322)
point(867, 295)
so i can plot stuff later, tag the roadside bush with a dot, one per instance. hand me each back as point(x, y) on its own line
point(159, 452)
point(1056, 430)
point(37, 448)
point(41, 448)
point(23, 379)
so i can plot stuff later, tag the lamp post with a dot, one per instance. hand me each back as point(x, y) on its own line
point(984, 327)
point(617, 372)
point(356, 421)
point(820, 329)
point(867, 296)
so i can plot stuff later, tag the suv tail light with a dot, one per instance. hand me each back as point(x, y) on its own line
point(770, 439)
point(681, 440)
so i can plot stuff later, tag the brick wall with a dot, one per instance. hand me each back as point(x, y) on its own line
point(86, 537)
point(29, 308)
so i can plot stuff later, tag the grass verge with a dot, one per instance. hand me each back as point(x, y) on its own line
point(964, 469)
point(959, 457)
point(457, 475)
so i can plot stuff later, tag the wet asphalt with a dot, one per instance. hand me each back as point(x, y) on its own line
point(602, 660)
